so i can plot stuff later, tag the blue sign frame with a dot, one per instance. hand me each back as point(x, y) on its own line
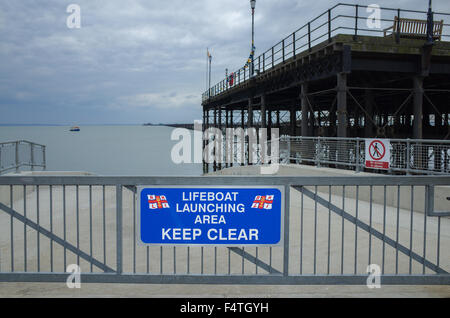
point(215, 215)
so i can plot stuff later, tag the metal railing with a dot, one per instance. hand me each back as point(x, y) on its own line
point(410, 156)
point(341, 19)
point(15, 155)
point(333, 228)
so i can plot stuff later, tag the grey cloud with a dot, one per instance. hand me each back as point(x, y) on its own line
point(129, 57)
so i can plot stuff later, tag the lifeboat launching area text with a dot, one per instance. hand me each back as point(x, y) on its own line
point(211, 216)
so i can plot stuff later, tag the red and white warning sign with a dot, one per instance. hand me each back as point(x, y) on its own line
point(378, 153)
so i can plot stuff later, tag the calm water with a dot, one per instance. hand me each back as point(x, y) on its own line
point(105, 150)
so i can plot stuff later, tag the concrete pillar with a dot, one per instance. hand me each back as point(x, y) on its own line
point(243, 128)
point(231, 118)
point(418, 119)
point(312, 117)
point(418, 107)
point(343, 151)
point(278, 120)
point(263, 126)
point(243, 117)
point(304, 107)
point(263, 111)
point(204, 128)
point(249, 126)
point(342, 105)
point(250, 113)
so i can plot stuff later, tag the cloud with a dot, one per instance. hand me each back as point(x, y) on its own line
point(169, 100)
point(147, 57)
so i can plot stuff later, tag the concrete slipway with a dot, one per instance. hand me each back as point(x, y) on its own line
point(135, 256)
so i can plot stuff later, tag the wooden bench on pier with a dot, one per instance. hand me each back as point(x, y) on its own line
point(414, 29)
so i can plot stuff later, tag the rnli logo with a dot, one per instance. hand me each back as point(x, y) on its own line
point(156, 202)
point(263, 202)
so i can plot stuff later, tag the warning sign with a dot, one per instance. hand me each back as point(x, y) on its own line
point(377, 153)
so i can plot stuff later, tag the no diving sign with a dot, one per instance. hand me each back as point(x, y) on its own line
point(377, 153)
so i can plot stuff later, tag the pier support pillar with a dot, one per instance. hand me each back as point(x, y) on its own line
point(418, 107)
point(278, 120)
point(249, 127)
point(343, 155)
point(263, 127)
point(342, 104)
point(304, 108)
point(250, 113)
point(269, 124)
point(418, 120)
point(204, 142)
point(243, 128)
point(263, 111)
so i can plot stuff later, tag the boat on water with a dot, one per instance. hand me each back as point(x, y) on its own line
point(74, 128)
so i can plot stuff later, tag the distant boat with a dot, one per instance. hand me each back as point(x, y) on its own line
point(75, 128)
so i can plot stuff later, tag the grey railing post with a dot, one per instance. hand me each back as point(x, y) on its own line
point(32, 156)
point(329, 25)
point(264, 61)
point(119, 228)
point(355, 37)
point(397, 32)
point(17, 156)
point(318, 152)
point(273, 57)
point(408, 156)
point(358, 155)
point(309, 36)
point(287, 189)
point(288, 141)
point(44, 160)
point(293, 45)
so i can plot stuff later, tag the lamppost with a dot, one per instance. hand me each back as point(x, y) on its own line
point(252, 5)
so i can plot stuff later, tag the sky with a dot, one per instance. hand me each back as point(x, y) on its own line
point(135, 61)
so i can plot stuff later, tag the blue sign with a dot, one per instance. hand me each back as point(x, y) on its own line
point(211, 216)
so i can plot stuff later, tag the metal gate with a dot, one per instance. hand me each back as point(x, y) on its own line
point(333, 229)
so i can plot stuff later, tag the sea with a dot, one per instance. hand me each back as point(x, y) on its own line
point(106, 150)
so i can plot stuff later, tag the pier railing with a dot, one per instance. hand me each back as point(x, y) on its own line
point(335, 229)
point(355, 20)
point(16, 155)
point(406, 156)
point(409, 156)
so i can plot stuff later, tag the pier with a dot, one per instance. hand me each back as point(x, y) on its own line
point(336, 77)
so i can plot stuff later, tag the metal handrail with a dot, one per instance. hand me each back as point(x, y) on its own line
point(16, 161)
point(270, 55)
point(304, 232)
point(418, 156)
